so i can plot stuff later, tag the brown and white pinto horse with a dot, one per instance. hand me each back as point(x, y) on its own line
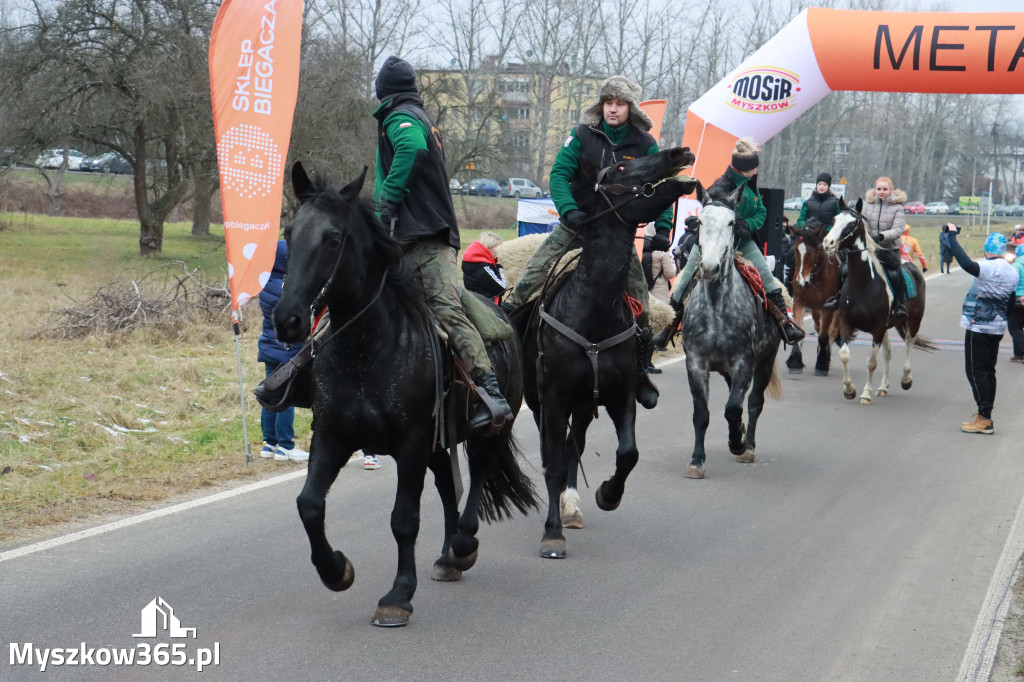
point(815, 277)
point(865, 300)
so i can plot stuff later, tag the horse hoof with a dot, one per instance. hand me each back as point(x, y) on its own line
point(461, 563)
point(444, 573)
point(552, 548)
point(336, 584)
point(905, 385)
point(390, 617)
point(796, 370)
point(865, 401)
point(746, 458)
point(738, 449)
point(881, 394)
point(849, 395)
point(574, 520)
point(694, 472)
point(604, 503)
point(821, 372)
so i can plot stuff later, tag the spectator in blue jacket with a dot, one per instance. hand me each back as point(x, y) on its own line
point(278, 427)
point(984, 318)
point(945, 255)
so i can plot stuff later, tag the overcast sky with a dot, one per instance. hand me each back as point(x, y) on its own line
point(989, 5)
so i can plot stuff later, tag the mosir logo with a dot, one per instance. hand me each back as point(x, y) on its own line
point(158, 616)
point(764, 89)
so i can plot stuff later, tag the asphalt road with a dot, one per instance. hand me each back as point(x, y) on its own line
point(859, 546)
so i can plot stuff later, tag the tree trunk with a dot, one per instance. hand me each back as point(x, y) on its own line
point(205, 177)
point(151, 236)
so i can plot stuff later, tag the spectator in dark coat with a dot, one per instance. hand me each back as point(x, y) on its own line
point(481, 272)
point(945, 254)
point(278, 427)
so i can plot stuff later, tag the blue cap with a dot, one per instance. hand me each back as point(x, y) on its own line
point(1020, 250)
point(996, 244)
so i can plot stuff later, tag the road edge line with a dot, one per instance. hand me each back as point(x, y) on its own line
point(147, 516)
point(980, 656)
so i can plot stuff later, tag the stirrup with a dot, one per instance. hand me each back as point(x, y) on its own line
point(832, 303)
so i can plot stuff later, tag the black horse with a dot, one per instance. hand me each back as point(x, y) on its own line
point(377, 381)
point(583, 344)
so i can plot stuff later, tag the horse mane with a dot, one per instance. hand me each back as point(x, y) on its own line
point(328, 197)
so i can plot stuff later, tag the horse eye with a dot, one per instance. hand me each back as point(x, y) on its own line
point(332, 242)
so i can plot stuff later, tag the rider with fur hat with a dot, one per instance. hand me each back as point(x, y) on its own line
point(750, 216)
point(612, 129)
point(883, 211)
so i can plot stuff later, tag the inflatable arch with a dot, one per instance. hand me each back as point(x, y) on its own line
point(823, 50)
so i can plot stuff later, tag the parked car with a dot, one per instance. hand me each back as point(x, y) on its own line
point(913, 207)
point(1015, 210)
point(793, 204)
point(519, 187)
point(454, 186)
point(53, 158)
point(936, 208)
point(483, 187)
point(111, 162)
point(998, 209)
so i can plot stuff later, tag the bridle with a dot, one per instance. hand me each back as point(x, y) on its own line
point(317, 306)
point(645, 190)
point(845, 234)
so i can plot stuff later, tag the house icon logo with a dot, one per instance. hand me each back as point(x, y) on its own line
point(158, 617)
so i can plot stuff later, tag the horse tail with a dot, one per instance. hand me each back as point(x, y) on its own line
point(924, 343)
point(774, 387)
point(507, 486)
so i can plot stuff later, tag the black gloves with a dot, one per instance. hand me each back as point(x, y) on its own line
point(387, 210)
point(573, 218)
point(660, 242)
point(878, 238)
point(741, 231)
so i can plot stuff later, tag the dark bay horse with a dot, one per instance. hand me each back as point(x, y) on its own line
point(583, 343)
point(726, 329)
point(376, 386)
point(815, 278)
point(865, 300)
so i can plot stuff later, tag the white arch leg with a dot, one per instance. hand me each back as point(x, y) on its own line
point(848, 390)
point(907, 381)
point(865, 396)
point(569, 508)
point(883, 387)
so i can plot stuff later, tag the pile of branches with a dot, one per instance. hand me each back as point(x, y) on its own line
point(165, 298)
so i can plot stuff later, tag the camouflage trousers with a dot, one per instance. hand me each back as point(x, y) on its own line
point(562, 240)
point(435, 262)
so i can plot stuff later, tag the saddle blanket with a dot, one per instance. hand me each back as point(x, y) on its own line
point(911, 287)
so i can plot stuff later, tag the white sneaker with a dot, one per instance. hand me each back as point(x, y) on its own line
point(268, 451)
point(295, 454)
point(370, 462)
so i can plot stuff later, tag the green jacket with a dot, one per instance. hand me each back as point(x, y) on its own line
point(408, 135)
point(749, 207)
point(567, 162)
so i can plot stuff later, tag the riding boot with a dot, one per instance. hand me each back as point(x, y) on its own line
point(898, 314)
point(791, 333)
point(646, 391)
point(493, 411)
point(833, 302)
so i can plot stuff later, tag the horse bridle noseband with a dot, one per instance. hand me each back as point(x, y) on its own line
point(645, 190)
point(315, 306)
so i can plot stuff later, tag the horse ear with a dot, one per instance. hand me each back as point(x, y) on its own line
point(734, 196)
point(301, 184)
point(842, 204)
point(702, 194)
point(352, 189)
point(860, 205)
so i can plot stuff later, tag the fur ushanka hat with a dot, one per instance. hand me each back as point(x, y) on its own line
point(621, 88)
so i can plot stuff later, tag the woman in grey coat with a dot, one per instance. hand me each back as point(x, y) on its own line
point(883, 211)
